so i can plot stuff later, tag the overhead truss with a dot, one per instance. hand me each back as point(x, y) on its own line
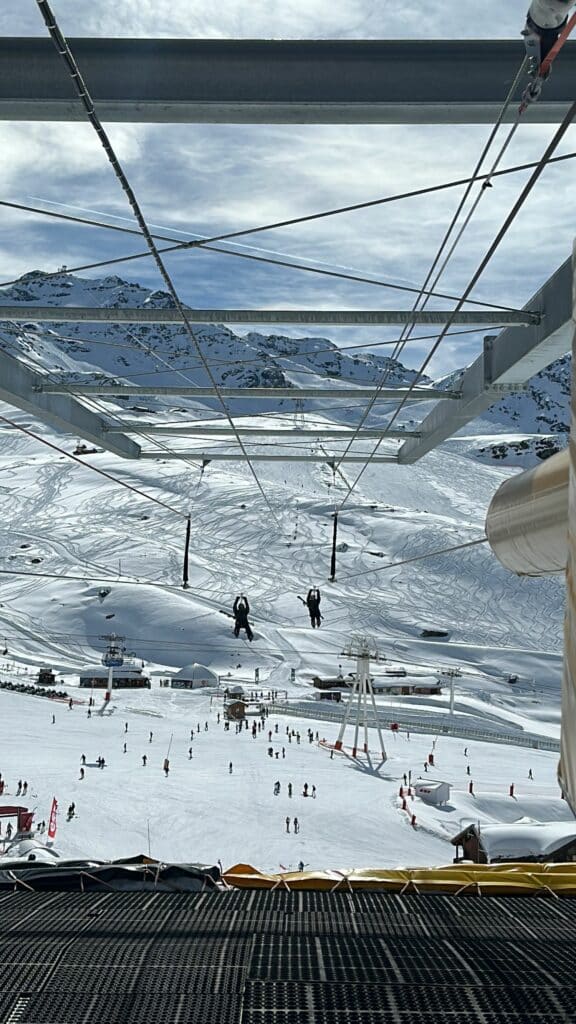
point(338, 317)
point(247, 81)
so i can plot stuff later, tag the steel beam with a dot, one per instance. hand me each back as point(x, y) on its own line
point(338, 317)
point(18, 387)
point(247, 81)
point(288, 435)
point(507, 362)
point(237, 456)
point(124, 390)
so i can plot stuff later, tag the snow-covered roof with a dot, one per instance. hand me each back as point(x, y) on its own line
point(101, 672)
point(522, 839)
point(196, 672)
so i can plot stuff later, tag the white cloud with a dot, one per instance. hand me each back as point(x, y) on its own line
point(213, 178)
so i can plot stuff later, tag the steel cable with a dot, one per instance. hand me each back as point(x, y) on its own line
point(86, 100)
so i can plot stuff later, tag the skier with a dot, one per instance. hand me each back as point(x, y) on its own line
point(467, 769)
point(24, 789)
point(530, 776)
point(19, 790)
point(189, 753)
point(305, 793)
point(89, 713)
point(125, 726)
point(290, 789)
point(230, 767)
point(287, 824)
point(300, 865)
point(70, 703)
point(313, 792)
point(166, 766)
point(296, 826)
point(150, 737)
point(283, 751)
point(144, 760)
point(205, 726)
point(276, 788)
point(313, 605)
point(53, 719)
point(124, 748)
point(241, 611)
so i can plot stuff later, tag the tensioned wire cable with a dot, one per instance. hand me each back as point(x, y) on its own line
point(95, 469)
point(568, 119)
point(452, 226)
point(415, 558)
point(288, 263)
point(86, 100)
point(204, 242)
point(168, 586)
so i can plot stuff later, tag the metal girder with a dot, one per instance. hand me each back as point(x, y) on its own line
point(507, 362)
point(237, 456)
point(248, 81)
point(344, 317)
point(289, 435)
point(356, 394)
point(18, 387)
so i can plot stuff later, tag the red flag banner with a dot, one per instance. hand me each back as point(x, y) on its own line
point(53, 819)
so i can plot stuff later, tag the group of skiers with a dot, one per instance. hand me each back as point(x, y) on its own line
point(241, 611)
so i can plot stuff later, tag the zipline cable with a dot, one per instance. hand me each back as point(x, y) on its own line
point(566, 123)
point(86, 101)
point(203, 242)
point(288, 263)
point(452, 226)
point(416, 558)
point(95, 469)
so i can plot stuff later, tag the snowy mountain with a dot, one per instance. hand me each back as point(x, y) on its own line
point(164, 355)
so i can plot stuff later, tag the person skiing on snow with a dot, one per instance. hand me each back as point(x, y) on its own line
point(241, 611)
point(144, 760)
point(313, 606)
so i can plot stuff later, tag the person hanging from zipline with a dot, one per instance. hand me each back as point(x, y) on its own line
point(313, 606)
point(241, 611)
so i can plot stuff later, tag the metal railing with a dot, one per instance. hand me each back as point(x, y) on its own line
point(437, 725)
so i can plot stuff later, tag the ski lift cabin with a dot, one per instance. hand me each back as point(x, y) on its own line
point(124, 677)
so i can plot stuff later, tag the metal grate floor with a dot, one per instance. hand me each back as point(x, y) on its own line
point(260, 957)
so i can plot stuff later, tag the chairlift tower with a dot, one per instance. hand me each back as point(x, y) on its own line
point(113, 658)
point(358, 708)
point(451, 674)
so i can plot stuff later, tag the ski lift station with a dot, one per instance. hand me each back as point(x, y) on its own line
point(124, 677)
point(193, 677)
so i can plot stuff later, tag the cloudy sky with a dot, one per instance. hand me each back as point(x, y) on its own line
point(205, 179)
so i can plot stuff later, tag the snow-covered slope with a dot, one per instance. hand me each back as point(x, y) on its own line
point(62, 519)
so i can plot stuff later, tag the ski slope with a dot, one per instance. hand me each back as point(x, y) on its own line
point(60, 518)
point(202, 812)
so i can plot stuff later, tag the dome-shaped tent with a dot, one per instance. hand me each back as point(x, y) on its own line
point(193, 677)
